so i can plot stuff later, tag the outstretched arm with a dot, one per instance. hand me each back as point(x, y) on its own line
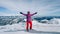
point(33, 13)
point(22, 13)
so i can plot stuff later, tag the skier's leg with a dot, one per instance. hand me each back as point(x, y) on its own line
point(30, 25)
point(27, 26)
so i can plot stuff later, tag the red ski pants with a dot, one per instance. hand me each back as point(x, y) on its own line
point(27, 25)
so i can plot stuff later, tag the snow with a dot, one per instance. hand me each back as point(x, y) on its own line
point(37, 28)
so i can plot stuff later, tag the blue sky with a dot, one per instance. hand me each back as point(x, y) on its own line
point(43, 7)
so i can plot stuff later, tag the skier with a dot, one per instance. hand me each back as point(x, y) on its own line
point(29, 20)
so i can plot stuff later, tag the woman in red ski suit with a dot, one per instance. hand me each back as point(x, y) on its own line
point(29, 20)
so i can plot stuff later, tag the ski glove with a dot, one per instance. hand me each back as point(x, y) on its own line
point(21, 13)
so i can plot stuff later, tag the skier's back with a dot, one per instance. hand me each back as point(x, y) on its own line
point(29, 20)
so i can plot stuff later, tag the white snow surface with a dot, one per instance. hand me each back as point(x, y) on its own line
point(37, 28)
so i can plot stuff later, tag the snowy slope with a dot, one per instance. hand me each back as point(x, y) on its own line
point(37, 28)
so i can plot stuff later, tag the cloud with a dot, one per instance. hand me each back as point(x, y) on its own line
point(43, 7)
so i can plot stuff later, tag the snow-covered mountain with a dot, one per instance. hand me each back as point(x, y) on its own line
point(16, 25)
point(4, 20)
